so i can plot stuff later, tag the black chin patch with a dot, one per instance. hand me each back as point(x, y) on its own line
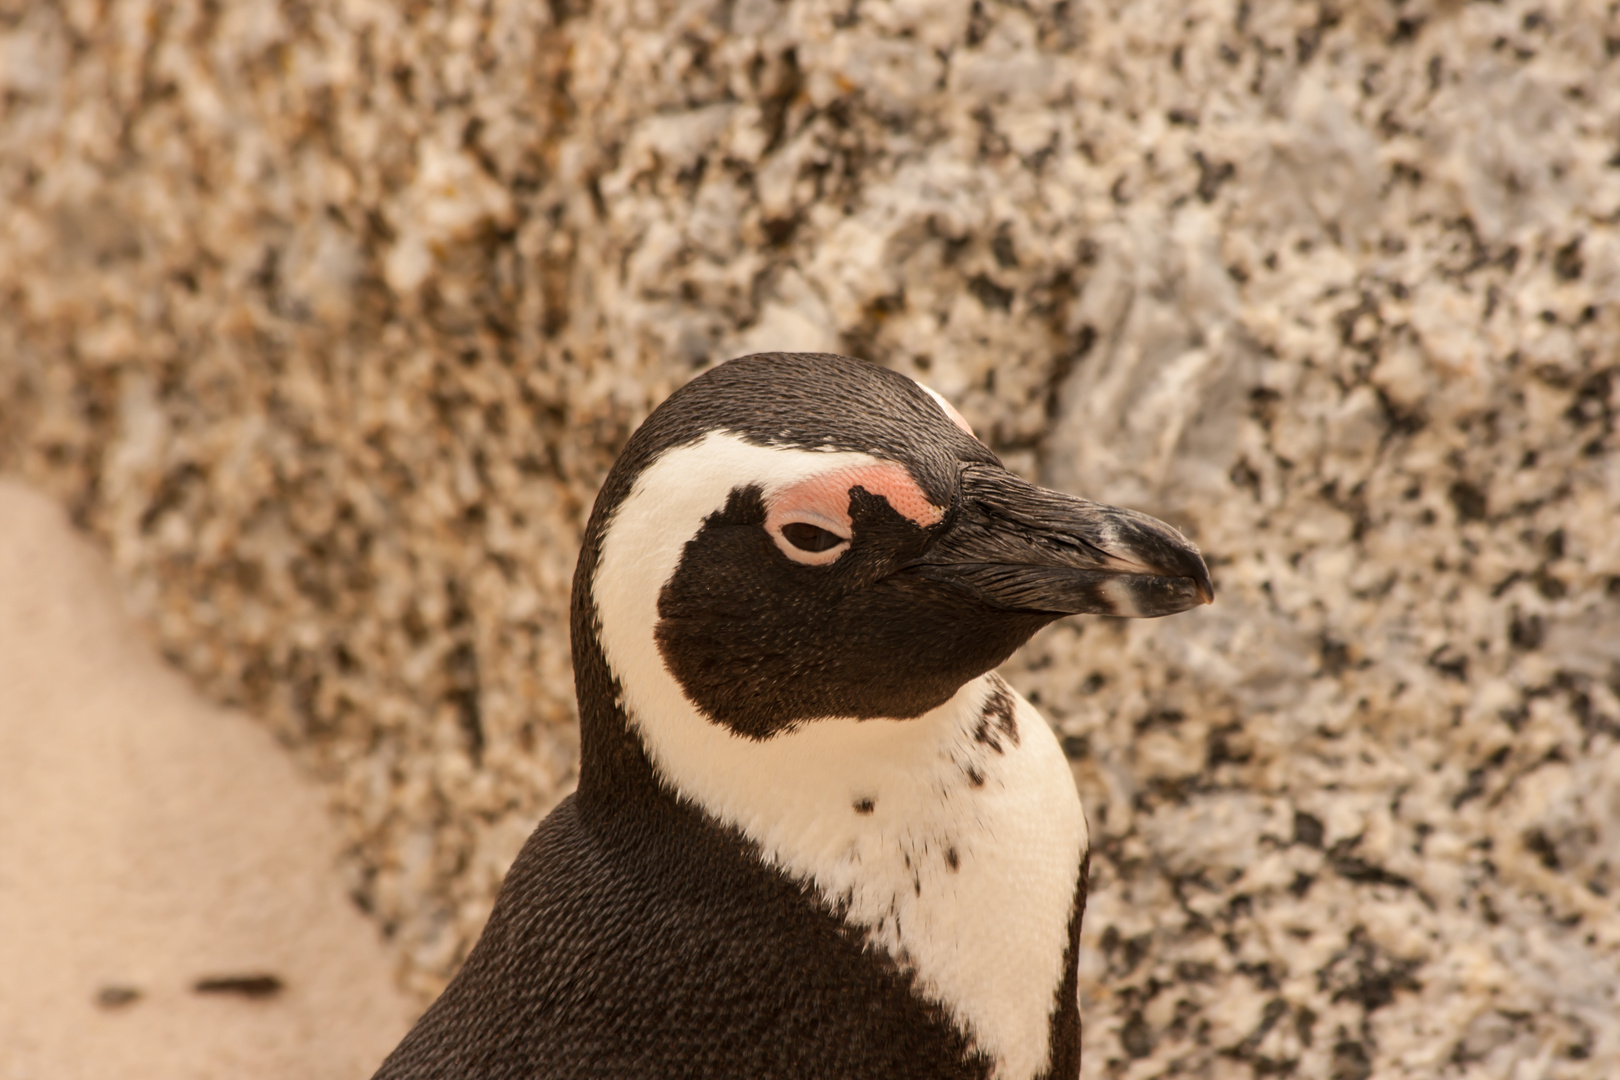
point(761, 643)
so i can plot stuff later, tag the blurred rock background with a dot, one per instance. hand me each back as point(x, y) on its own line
point(326, 319)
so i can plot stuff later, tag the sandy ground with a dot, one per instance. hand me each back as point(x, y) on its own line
point(149, 841)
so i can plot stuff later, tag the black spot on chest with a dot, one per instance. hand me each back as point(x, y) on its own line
point(998, 719)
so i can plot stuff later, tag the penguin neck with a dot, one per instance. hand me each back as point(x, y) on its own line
point(952, 842)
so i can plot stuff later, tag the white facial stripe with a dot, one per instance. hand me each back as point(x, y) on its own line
point(985, 936)
point(950, 410)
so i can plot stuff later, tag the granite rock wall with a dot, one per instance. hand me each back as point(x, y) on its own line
point(328, 318)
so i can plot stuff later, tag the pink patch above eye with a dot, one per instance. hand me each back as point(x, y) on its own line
point(824, 500)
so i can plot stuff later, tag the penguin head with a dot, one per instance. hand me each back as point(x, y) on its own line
point(794, 537)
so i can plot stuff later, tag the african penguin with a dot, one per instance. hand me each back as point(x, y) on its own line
point(815, 835)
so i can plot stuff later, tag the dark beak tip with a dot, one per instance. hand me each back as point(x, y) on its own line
point(1203, 583)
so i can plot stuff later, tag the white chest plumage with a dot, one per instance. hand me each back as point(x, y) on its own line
point(953, 839)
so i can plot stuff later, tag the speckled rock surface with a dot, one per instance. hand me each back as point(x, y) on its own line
point(328, 318)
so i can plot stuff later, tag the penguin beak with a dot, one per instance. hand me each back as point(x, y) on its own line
point(1024, 548)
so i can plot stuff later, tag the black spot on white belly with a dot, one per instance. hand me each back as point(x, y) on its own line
point(998, 719)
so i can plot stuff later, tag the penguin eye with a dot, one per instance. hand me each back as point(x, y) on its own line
point(808, 522)
point(808, 537)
